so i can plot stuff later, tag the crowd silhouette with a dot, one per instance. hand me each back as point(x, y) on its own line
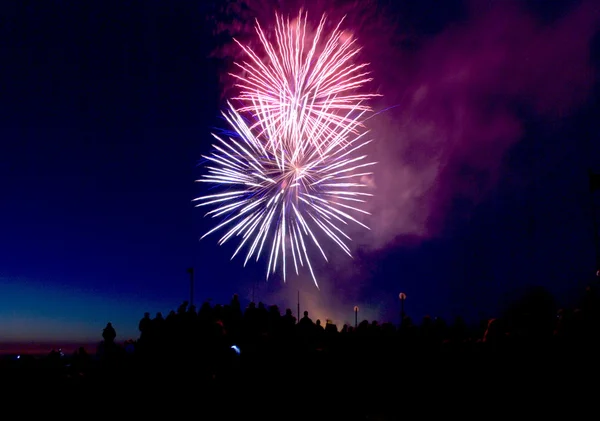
point(259, 352)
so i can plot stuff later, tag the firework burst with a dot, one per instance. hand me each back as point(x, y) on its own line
point(305, 89)
point(295, 173)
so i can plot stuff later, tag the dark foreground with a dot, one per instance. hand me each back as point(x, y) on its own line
point(374, 380)
point(227, 364)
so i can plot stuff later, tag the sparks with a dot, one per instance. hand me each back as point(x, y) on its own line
point(304, 92)
point(293, 176)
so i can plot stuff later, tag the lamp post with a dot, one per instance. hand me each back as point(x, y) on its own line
point(402, 297)
point(355, 317)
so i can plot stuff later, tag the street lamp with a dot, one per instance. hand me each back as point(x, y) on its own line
point(402, 297)
point(355, 317)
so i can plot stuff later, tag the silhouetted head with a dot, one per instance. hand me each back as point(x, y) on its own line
point(318, 322)
point(306, 314)
point(146, 315)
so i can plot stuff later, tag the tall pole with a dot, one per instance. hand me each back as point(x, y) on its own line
point(402, 297)
point(355, 317)
point(298, 306)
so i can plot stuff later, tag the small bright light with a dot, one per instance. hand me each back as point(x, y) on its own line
point(236, 349)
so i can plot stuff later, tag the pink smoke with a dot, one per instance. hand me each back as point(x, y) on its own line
point(454, 99)
point(457, 116)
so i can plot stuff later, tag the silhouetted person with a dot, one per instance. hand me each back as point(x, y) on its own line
point(158, 325)
point(81, 360)
point(144, 323)
point(250, 320)
point(145, 326)
point(109, 334)
point(170, 325)
point(306, 325)
point(235, 304)
point(319, 328)
point(275, 322)
point(262, 318)
point(305, 320)
point(289, 321)
point(182, 308)
point(205, 313)
point(330, 327)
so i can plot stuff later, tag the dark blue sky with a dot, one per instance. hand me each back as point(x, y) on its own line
point(105, 109)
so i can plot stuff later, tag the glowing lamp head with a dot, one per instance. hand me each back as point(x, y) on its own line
point(356, 308)
point(402, 296)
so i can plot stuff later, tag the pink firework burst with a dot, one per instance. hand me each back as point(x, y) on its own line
point(304, 92)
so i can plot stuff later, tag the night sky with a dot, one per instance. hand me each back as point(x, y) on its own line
point(488, 128)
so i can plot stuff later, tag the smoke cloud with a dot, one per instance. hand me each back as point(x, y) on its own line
point(453, 103)
point(459, 105)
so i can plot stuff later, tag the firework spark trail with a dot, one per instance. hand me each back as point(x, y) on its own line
point(287, 201)
point(303, 92)
point(295, 173)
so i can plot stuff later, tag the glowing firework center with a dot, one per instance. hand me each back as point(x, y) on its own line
point(294, 174)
